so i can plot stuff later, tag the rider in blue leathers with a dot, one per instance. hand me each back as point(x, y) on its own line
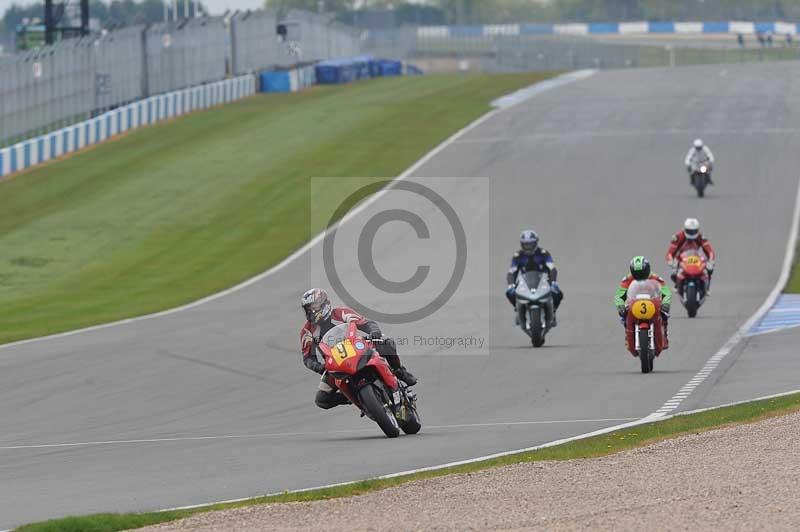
point(531, 257)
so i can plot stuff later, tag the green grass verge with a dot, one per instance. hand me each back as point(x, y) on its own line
point(596, 446)
point(793, 286)
point(176, 211)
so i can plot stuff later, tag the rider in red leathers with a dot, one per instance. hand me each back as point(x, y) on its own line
point(690, 237)
point(321, 317)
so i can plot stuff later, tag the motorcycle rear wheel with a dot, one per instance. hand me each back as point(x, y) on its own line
point(412, 424)
point(371, 401)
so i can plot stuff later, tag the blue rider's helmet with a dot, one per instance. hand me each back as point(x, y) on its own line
point(529, 241)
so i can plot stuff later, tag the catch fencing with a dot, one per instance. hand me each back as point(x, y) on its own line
point(77, 79)
point(526, 47)
point(181, 55)
point(319, 37)
point(570, 53)
point(34, 151)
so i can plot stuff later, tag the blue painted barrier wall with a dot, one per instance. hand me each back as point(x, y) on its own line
point(599, 28)
point(276, 81)
point(715, 27)
point(287, 80)
point(661, 27)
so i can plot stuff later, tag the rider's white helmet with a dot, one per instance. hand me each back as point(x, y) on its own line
point(698, 144)
point(691, 228)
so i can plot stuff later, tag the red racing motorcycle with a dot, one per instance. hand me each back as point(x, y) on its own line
point(644, 329)
point(366, 379)
point(692, 280)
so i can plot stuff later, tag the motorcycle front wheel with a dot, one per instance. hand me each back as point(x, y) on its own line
point(700, 185)
point(371, 401)
point(645, 356)
point(537, 329)
point(691, 300)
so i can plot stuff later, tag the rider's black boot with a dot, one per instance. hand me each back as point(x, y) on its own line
point(404, 375)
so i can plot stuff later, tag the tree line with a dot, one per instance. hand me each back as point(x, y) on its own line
point(510, 11)
point(435, 12)
point(112, 14)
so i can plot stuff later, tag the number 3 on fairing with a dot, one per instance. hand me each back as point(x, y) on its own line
point(643, 310)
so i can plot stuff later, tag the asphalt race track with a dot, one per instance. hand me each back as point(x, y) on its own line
point(213, 403)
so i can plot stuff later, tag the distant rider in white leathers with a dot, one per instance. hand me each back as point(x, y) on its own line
point(699, 154)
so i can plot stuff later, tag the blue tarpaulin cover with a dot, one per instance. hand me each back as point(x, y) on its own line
point(361, 67)
point(275, 81)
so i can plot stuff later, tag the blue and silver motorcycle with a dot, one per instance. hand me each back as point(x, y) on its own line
point(535, 309)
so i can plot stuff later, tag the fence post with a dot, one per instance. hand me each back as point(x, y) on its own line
point(234, 51)
point(145, 72)
point(671, 53)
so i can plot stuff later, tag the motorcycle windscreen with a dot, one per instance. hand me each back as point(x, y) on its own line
point(335, 335)
point(533, 285)
point(692, 248)
point(648, 289)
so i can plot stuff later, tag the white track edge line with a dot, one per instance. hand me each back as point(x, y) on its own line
point(772, 331)
point(736, 403)
point(430, 468)
point(742, 332)
point(563, 79)
point(643, 421)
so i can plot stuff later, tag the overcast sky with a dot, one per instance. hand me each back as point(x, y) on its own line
point(219, 6)
point(215, 6)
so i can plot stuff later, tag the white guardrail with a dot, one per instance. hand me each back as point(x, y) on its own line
point(32, 152)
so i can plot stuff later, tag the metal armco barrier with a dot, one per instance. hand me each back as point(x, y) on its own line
point(150, 110)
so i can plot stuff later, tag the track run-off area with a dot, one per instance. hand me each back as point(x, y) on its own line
point(212, 402)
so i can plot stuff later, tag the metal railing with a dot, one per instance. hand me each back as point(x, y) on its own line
point(503, 51)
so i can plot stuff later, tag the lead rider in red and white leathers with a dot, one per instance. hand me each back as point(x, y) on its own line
point(321, 317)
point(698, 155)
point(690, 237)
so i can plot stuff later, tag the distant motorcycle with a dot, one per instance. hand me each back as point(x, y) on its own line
point(644, 328)
point(701, 178)
point(535, 308)
point(366, 379)
point(692, 281)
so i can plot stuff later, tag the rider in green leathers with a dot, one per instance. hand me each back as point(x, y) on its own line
point(640, 271)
